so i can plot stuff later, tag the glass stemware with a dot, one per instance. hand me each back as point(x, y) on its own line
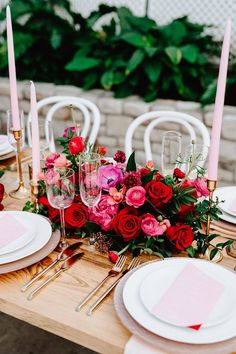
point(60, 188)
point(89, 182)
point(171, 149)
point(194, 158)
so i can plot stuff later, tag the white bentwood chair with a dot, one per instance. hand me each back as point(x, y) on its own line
point(90, 112)
point(159, 117)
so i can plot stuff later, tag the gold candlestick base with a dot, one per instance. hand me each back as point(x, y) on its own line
point(21, 192)
point(34, 195)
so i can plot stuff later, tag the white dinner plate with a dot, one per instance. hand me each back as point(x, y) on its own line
point(24, 239)
point(4, 143)
point(43, 233)
point(151, 293)
point(7, 150)
point(140, 314)
point(229, 195)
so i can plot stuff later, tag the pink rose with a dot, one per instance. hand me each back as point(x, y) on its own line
point(73, 130)
point(103, 213)
point(110, 176)
point(165, 224)
point(150, 164)
point(201, 187)
point(51, 159)
point(61, 162)
point(151, 226)
point(135, 196)
point(41, 176)
point(51, 177)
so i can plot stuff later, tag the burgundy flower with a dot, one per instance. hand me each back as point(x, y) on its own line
point(131, 179)
point(120, 156)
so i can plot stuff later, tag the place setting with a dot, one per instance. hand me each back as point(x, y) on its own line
point(179, 305)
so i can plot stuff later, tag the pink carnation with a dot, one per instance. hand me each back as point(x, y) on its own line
point(201, 187)
point(135, 196)
point(51, 177)
point(152, 227)
point(103, 213)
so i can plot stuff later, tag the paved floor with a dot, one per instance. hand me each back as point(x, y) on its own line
point(17, 337)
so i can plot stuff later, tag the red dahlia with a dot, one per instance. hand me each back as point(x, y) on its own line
point(120, 156)
point(131, 179)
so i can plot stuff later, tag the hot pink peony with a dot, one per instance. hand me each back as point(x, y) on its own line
point(110, 176)
point(73, 130)
point(201, 187)
point(103, 213)
point(135, 196)
point(152, 227)
point(49, 162)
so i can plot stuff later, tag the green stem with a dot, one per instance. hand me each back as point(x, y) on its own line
point(124, 249)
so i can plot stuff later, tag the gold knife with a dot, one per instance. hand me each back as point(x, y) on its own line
point(66, 265)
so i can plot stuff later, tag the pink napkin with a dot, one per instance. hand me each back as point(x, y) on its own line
point(190, 299)
point(10, 230)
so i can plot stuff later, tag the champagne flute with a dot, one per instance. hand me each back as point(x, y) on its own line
point(194, 158)
point(171, 149)
point(60, 188)
point(89, 182)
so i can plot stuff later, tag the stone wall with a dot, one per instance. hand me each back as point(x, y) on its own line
point(117, 114)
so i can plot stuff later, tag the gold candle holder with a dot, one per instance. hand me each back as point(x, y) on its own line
point(231, 250)
point(35, 195)
point(21, 192)
point(211, 185)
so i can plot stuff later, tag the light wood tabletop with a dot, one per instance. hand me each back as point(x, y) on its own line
point(53, 309)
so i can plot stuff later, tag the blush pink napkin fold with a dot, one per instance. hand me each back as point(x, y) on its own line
point(10, 230)
point(190, 299)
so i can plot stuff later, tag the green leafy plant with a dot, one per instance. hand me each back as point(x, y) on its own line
point(127, 54)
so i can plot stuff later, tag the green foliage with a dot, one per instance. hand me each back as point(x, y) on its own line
point(129, 54)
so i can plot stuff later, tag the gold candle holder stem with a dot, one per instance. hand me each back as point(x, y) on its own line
point(35, 195)
point(211, 185)
point(21, 192)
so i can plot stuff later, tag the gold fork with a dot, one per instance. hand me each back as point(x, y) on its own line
point(117, 268)
point(133, 264)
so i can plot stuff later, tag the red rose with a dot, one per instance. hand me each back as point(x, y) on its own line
point(53, 214)
point(158, 177)
point(144, 171)
point(2, 189)
point(181, 234)
point(184, 211)
point(76, 215)
point(178, 173)
point(113, 256)
point(44, 201)
point(127, 223)
point(76, 145)
point(158, 193)
point(102, 150)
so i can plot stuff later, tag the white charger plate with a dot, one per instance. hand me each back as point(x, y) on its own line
point(43, 233)
point(23, 240)
point(227, 194)
point(151, 293)
point(140, 314)
point(7, 150)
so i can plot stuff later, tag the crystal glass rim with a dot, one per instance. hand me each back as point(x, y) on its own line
point(82, 157)
point(172, 132)
point(68, 169)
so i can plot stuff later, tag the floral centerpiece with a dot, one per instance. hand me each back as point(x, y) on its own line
point(140, 209)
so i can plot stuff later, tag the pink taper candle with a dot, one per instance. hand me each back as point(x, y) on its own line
point(35, 134)
point(12, 74)
point(219, 106)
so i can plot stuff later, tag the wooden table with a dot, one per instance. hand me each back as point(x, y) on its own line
point(54, 307)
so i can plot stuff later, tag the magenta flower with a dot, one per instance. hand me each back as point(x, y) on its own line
point(103, 213)
point(110, 176)
point(61, 162)
point(152, 227)
point(135, 196)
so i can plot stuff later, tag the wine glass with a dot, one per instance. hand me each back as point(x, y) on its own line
point(90, 182)
point(60, 188)
point(194, 158)
point(171, 149)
